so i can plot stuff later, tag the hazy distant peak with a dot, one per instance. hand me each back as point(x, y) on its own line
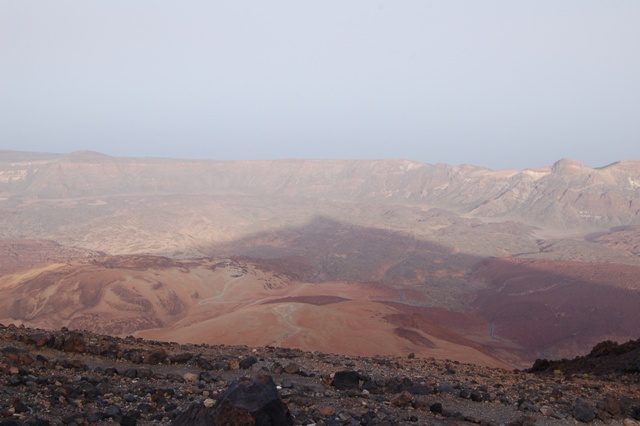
point(568, 166)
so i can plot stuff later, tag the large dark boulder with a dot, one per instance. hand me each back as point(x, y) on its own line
point(345, 380)
point(247, 401)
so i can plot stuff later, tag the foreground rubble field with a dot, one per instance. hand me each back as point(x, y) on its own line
point(77, 378)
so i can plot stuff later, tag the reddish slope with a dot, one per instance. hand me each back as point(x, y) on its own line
point(555, 309)
point(226, 301)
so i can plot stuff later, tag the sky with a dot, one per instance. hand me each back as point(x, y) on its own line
point(500, 84)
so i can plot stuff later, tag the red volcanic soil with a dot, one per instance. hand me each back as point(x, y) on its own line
point(558, 308)
point(225, 301)
point(516, 310)
point(458, 328)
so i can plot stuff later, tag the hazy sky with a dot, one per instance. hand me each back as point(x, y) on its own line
point(501, 84)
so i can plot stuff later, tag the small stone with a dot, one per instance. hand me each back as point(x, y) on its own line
point(370, 385)
point(145, 372)
point(20, 407)
point(614, 407)
point(205, 376)
point(276, 368)
point(190, 377)
point(113, 411)
point(132, 373)
point(292, 368)
point(476, 396)
point(94, 418)
point(287, 384)
point(547, 411)
point(128, 421)
point(180, 358)
point(583, 411)
point(528, 406)
point(325, 411)
point(465, 393)
point(248, 362)
point(403, 399)
point(40, 339)
point(445, 388)
point(74, 342)
point(14, 380)
point(155, 357)
point(209, 403)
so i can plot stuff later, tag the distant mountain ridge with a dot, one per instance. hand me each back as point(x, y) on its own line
point(566, 194)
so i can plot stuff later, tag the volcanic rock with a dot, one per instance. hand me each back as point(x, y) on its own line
point(248, 362)
point(292, 368)
point(583, 411)
point(180, 358)
point(250, 401)
point(156, 356)
point(344, 380)
point(74, 342)
point(403, 399)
